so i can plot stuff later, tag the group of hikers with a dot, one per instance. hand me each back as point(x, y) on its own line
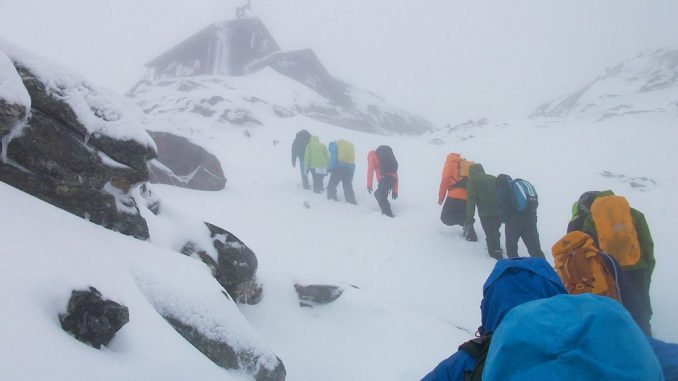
point(339, 162)
point(585, 318)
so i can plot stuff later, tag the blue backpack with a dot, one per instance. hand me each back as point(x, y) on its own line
point(524, 196)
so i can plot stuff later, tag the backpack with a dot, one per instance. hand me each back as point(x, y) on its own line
point(582, 266)
point(524, 196)
point(345, 152)
point(387, 160)
point(464, 166)
point(614, 227)
point(477, 348)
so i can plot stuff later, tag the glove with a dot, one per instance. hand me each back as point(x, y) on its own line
point(294, 164)
point(369, 190)
point(440, 202)
point(394, 196)
point(308, 171)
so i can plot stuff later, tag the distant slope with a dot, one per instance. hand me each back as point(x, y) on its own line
point(647, 83)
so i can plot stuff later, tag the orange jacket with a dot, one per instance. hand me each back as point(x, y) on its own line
point(450, 177)
point(373, 166)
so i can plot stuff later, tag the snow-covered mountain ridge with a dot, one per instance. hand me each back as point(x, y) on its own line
point(647, 83)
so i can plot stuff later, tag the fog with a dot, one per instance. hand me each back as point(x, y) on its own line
point(448, 60)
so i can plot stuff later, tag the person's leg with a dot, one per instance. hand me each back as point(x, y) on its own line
point(317, 182)
point(512, 233)
point(381, 194)
point(304, 175)
point(640, 280)
point(347, 184)
point(530, 236)
point(491, 227)
point(335, 177)
point(453, 212)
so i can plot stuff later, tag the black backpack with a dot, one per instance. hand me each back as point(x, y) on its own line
point(477, 348)
point(387, 160)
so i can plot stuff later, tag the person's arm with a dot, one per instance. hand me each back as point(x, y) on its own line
point(452, 368)
point(333, 156)
point(470, 200)
point(644, 238)
point(307, 156)
point(371, 157)
point(294, 153)
point(395, 186)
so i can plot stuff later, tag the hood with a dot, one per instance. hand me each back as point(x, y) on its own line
point(315, 139)
point(475, 170)
point(570, 337)
point(303, 134)
point(514, 282)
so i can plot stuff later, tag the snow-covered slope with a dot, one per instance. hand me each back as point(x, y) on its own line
point(647, 83)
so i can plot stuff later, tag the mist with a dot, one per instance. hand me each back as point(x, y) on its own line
point(447, 60)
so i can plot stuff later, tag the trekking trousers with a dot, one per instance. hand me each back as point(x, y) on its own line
point(381, 194)
point(454, 212)
point(491, 225)
point(304, 175)
point(640, 279)
point(318, 178)
point(522, 225)
point(345, 176)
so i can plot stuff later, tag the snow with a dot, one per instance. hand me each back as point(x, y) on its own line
point(95, 109)
point(12, 90)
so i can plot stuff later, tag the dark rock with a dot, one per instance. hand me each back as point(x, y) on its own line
point(184, 164)
point(239, 117)
point(11, 115)
point(314, 294)
point(224, 355)
point(91, 319)
point(235, 266)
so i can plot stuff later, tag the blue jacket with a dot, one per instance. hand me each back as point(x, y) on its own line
point(667, 354)
point(511, 283)
point(570, 337)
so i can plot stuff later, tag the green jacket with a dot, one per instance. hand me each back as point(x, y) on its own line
point(482, 191)
point(647, 260)
point(316, 155)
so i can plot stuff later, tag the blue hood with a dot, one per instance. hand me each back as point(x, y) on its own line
point(514, 282)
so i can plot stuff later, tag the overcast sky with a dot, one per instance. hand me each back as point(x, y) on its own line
point(448, 60)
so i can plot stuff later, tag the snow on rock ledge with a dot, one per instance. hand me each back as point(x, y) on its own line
point(15, 103)
point(82, 149)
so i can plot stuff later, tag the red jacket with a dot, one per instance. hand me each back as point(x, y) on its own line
point(373, 166)
point(450, 177)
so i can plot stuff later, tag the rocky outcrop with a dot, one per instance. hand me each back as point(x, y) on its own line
point(184, 164)
point(234, 267)
point(78, 151)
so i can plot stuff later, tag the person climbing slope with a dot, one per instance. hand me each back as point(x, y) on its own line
point(316, 159)
point(342, 169)
point(482, 192)
point(298, 149)
point(517, 200)
point(382, 163)
point(452, 192)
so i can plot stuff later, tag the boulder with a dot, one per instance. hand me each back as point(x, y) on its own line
point(92, 319)
point(184, 164)
point(80, 150)
point(234, 267)
point(15, 103)
point(314, 294)
point(226, 356)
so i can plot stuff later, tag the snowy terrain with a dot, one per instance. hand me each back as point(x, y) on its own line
point(418, 284)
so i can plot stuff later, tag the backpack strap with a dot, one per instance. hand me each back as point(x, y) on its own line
point(477, 348)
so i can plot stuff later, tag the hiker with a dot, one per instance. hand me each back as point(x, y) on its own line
point(570, 337)
point(298, 150)
point(342, 169)
point(315, 160)
point(383, 163)
point(517, 202)
point(530, 284)
point(584, 268)
point(622, 232)
point(511, 283)
point(452, 191)
point(482, 192)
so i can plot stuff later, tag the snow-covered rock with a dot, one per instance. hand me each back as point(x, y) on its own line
point(184, 164)
point(15, 103)
point(647, 83)
point(81, 149)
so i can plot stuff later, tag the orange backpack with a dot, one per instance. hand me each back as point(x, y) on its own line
point(611, 216)
point(581, 266)
point(464, 166)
